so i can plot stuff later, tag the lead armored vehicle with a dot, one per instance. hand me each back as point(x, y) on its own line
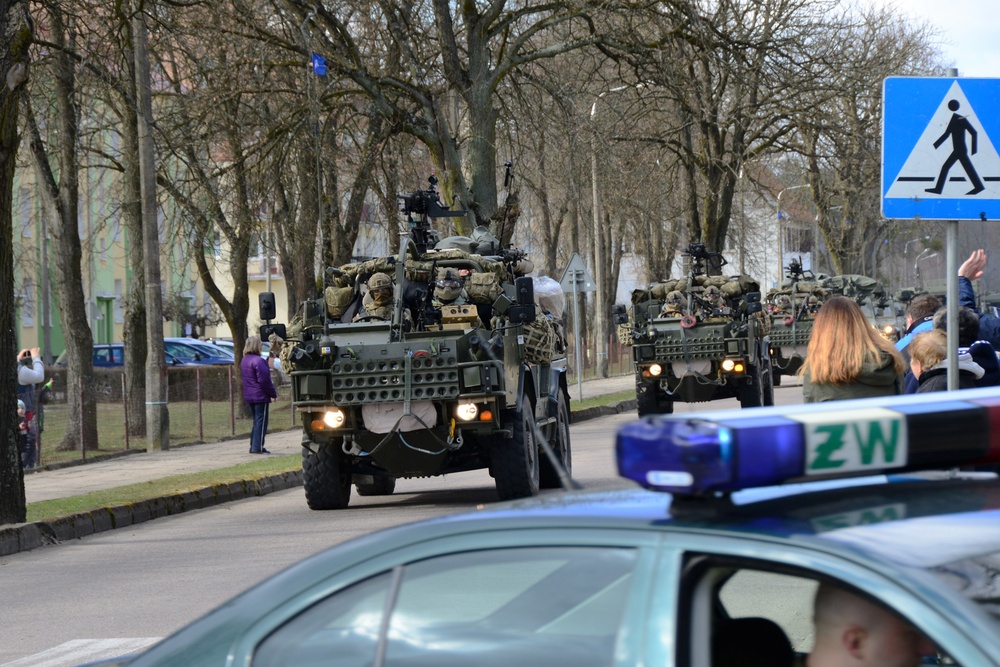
point(699, 338)
point(444, 379)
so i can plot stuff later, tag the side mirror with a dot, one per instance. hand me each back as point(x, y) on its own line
point(753, 297)
point(523, 310)
point(619, 314)
point(268, 309)
point(755, 307)
point(268, 329)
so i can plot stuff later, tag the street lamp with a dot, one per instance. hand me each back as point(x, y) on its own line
point(781, 232)
point(601, 317)
point(906, 250)
point(916, 265)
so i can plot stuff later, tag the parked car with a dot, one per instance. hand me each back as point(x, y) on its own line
point(112, 355)
point(265, 347)
point(193, 351)
point(721, 570)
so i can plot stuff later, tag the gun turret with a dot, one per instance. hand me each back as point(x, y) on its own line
point(419, 207)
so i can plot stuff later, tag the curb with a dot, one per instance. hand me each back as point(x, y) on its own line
point(26, 536)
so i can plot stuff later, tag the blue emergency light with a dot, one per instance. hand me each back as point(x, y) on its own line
point(708, 452)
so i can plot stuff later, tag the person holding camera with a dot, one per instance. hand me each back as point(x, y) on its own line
point(30, 372)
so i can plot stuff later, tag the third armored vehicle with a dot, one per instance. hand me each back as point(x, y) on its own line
point(422, 387)
point(699, 338)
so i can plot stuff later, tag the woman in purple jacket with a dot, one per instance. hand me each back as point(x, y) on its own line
point(258, 391)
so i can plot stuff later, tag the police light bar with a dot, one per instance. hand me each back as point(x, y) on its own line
point(703, 453)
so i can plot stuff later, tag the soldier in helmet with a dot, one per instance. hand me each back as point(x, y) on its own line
point(378, 301)
point(673, 305)
point(448, 290)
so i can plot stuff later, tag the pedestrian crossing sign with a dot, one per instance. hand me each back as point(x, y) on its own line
point(939, 159)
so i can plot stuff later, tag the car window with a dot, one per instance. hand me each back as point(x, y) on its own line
point(533, 606)
point(750, 616)
point(102, 356)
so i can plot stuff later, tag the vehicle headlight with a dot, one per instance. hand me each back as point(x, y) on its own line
point(334, 418)
point(888, 329)
point(728, 365)
point(466, 411)
point(655, 370)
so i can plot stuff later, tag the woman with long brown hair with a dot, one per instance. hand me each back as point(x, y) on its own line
point(848, 357)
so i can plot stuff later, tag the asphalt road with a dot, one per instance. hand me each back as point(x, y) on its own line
point(113, 592)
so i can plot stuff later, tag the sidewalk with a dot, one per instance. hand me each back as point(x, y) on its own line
point(143, 466)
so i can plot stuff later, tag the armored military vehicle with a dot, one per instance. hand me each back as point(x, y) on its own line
point(699, 338)
point(791, 309)
point(428, 388)
point(793, 306)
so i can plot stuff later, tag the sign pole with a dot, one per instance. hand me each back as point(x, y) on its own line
point(576, 330)
point(951, 254)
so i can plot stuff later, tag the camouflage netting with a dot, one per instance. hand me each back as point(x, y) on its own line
point(417, 270)
point(788, 301)
point(543, 341)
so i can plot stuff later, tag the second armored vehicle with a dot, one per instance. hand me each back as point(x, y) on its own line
point(700, 338)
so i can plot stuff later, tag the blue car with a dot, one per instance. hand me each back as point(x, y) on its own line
point(112, 355)
point(745, 519)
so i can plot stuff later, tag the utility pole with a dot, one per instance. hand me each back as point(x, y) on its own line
point(157, 417)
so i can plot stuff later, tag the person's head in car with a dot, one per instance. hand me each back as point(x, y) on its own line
point(853, 631)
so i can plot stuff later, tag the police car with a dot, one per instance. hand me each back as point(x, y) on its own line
point(716, 561)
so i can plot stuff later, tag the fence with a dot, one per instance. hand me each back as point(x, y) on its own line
point(203, 405)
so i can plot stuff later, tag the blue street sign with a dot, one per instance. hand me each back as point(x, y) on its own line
point(939, 159)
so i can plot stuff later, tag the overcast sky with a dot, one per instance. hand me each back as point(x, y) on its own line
point(969, 31)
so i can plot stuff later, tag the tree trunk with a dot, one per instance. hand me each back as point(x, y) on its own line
point(15, 38)
point(134, 329)
point(62, 199)
point(157, 416)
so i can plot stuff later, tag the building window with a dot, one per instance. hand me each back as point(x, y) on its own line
point(24, 211)
point(119, 311)
point(28, 303)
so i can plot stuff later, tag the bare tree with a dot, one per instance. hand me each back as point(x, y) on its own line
point(61, 196)
point(839, 131)
point(15, 39)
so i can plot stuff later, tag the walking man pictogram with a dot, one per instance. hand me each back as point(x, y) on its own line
point(956, 129)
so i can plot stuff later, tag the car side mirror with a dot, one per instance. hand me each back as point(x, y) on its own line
point(523, 309)
point(268, 309)
point(619, 314)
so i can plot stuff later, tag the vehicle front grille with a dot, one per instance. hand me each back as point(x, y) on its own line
point(358, 382)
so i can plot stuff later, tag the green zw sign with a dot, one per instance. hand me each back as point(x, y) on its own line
point(859, 440)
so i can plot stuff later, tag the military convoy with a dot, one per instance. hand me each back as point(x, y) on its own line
point(460, 370)
point(699, 338)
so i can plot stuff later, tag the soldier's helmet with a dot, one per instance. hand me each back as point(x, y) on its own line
point(380, 288)
point(675, 298)
point(448, 285)
point(713, 295)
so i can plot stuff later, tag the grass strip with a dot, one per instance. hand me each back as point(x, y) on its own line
point(60, 507)
point(130, 493)
point(595, 401)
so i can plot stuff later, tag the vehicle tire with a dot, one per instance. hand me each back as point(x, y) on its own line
point(647, 402)
point(767, 376)
point(326, 476)
point(382, 485)
point(548, 476)
point(751, 393)
point(514, 460)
